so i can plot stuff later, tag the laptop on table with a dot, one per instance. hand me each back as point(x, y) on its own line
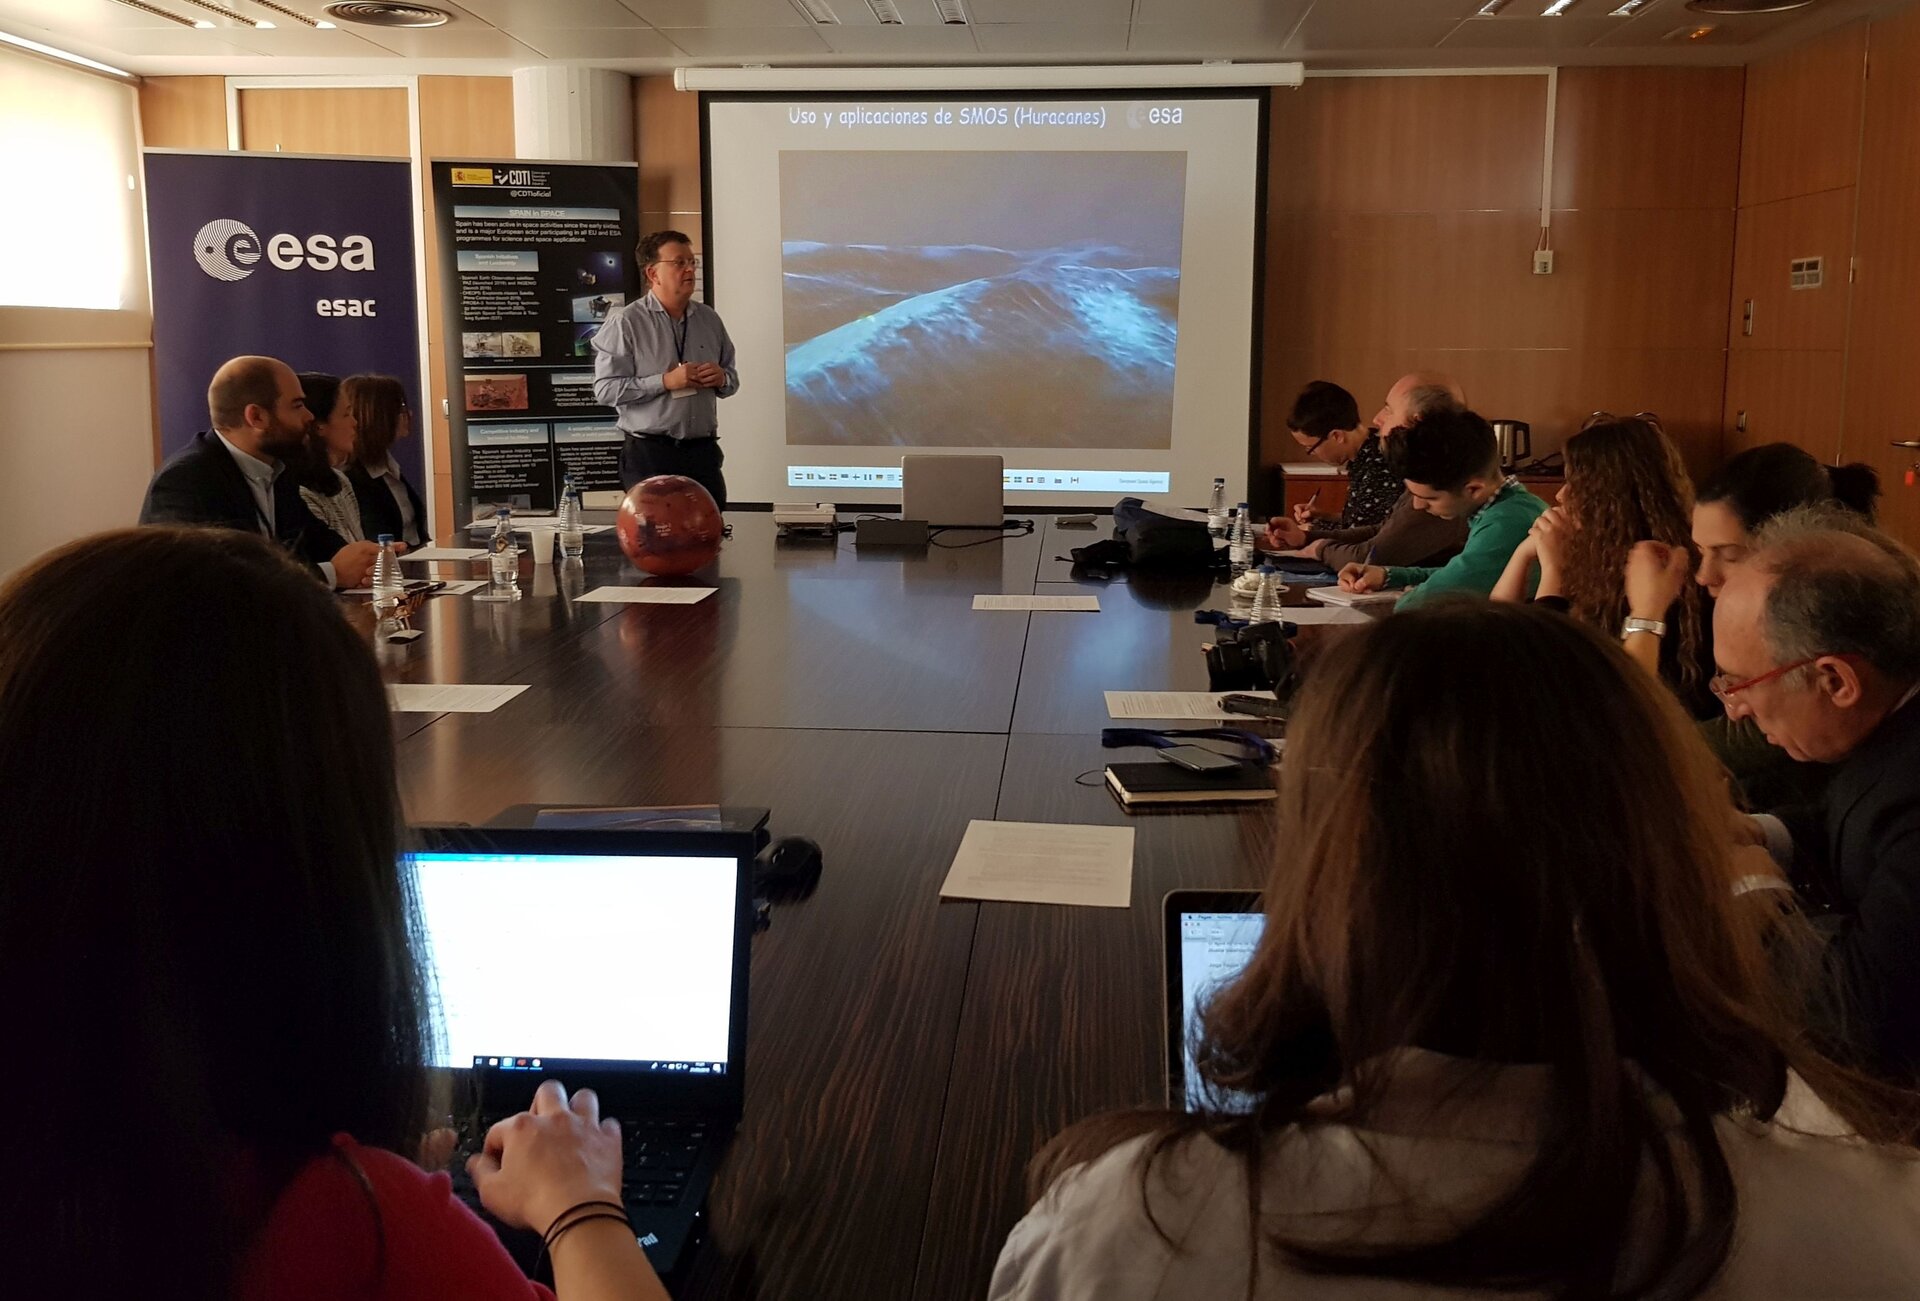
point(1210, 936)
point(953, 490)
point(648, 935)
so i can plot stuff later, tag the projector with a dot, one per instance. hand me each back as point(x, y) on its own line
point(819, 515)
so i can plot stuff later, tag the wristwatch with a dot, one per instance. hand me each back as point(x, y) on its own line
point(1655, 626)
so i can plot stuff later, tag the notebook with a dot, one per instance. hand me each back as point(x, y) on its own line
point(651, 930)
point(1338, 596)
point(1138, 784)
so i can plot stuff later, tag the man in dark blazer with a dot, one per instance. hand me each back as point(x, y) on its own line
point(233, 476)
point(1817, 636)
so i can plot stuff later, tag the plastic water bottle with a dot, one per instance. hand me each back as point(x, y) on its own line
point(389, 588)
point(573, 541)
point(1266, 598)
point(1217, 509)
point(1240, 550)
point(503, 559)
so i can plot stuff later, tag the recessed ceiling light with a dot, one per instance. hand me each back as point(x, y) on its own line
point(65, 56)
point(263, 24)
point(1490, 8)
point(951, 13)
point(887, 12)
point(162, 13)
point(285, 12)
point(1557, 8)
point(1629, 9)
point(817, 12)
point(222, 10)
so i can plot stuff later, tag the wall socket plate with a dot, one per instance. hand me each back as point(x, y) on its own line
point(1543, 262)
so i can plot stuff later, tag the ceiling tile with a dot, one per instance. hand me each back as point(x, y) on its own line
point(1038, 11)
point(1530, 34)
point(465, 41)
point(599, 43)
point(1184, 41)
point(747, 42)
point(291, 38)
point(1649, 29)
point(1267, 15)
point(517, 15)
point(885, 42)
point(720, 13)
point(171, 42)
point(1055, 40)
point(1382, 24)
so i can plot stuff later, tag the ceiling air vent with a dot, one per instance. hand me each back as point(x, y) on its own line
point(1746, 6)
point(816, 11)
point(950, 12)
point(887, 12)
point(385, 13)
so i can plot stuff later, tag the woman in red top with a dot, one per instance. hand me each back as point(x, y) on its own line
point(212, 959)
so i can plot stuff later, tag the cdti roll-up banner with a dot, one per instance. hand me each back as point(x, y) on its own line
point(534, 257)
point(307, 259)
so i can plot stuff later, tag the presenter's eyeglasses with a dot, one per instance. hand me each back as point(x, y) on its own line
point(679, 263)
point(1725, 684)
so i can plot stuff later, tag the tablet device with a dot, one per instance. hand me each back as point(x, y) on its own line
point(1209, 937)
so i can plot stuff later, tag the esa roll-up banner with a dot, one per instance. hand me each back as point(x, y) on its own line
point(307, 259)
point(534, 257)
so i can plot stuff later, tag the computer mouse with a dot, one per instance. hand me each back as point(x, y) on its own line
point(788, 869)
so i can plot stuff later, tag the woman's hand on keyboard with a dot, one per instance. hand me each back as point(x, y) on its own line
point(543, 1162)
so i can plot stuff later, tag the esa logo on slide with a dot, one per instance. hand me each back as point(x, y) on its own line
point(230, 250)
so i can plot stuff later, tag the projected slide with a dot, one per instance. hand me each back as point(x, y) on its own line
point(965, 294)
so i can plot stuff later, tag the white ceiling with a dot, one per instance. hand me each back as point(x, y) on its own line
point(657, 35)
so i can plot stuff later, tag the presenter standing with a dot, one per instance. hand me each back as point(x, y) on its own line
point(663, 363)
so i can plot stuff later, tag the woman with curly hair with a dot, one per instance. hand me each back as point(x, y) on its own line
point(1625, 484)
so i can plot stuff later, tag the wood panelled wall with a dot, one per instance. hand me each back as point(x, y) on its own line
point(667, 137)
point(183, 112)
point(1831, 168)
point(1402, 217)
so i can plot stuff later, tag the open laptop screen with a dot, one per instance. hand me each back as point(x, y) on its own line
point(1216, 936)
point(562, 961)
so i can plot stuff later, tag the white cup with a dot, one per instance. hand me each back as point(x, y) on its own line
point(543, 543)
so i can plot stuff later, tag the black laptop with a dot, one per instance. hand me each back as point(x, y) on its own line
point(648, 932)
point(1209, 935)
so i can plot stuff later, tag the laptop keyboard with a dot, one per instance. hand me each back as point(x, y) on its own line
point(659, 1153)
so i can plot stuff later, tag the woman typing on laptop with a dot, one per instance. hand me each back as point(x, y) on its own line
point(1507, 1029)
point(214, 960)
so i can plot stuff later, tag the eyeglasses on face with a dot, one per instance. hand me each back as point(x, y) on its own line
point(681, 263)
point(1725, 684)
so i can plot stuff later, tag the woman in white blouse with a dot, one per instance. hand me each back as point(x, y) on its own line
point(1508, 1030)
point(323, 486)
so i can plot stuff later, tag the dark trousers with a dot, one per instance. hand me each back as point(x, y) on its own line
point(644, 455)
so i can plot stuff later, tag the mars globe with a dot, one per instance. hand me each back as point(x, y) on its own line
point(669, 525)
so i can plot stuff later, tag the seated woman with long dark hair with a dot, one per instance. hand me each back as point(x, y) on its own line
point(388, 503)
point(1625, 482)
point(1731, 508)
point(212, 953)
point(1508, 1028)
point(330, 445)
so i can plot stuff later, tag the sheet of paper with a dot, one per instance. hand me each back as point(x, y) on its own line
point(436, 698)
point(462, 587)
point(649, 595)
point(446, 553)
point(1088, 603)
point(1041, 862)
point(1305, 614)
point(1176, 704)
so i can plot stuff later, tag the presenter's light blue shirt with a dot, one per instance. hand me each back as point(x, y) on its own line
point(635, 348)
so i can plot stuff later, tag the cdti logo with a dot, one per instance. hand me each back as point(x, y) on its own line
point(229, 250)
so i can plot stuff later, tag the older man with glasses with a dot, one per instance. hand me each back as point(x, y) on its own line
point(663, 363)
point(1818, 640)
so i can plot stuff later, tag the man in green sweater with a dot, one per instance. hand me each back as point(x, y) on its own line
point(1451, 465)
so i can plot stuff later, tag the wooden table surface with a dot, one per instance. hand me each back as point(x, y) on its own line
point(905, 1055)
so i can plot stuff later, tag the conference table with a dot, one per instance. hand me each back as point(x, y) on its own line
point(906, 1054)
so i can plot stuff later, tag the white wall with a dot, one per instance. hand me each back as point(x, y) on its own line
point(76, 396)
point(76, 446)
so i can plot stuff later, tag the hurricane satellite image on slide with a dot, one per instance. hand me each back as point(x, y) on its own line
point(981, 298)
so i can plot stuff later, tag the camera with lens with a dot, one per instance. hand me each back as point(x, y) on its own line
point(1254, 657)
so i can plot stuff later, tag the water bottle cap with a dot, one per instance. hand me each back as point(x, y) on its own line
point(386, 539)
point(500, 511)
point(1268, 569)
point(1219, 480)
point(1243, 506)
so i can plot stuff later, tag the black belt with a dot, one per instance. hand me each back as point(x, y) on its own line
point(669, 438)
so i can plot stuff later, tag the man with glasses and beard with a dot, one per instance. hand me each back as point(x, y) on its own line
point(234, 476)
point(1818, 641)
point(663, 363)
